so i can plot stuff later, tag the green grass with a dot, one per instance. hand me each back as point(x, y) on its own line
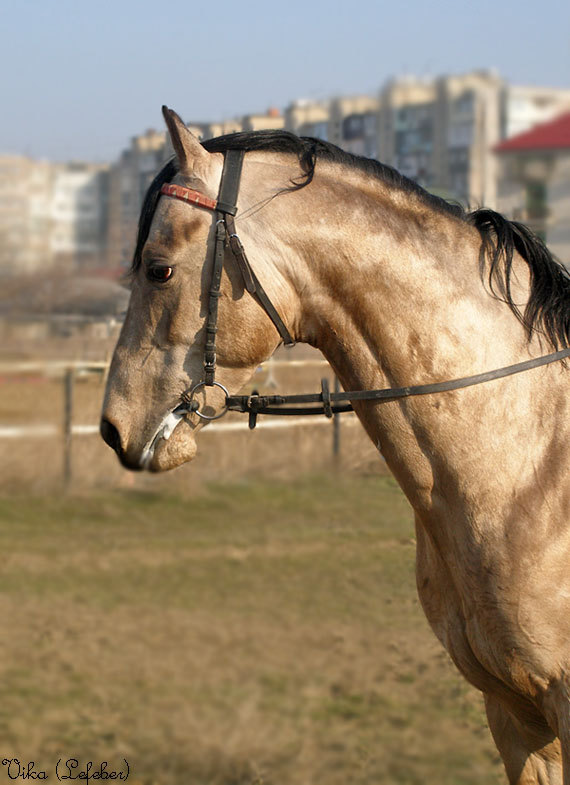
point(258, 633)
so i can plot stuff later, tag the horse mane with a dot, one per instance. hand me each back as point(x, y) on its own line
point(308, 150)
point(548, 307)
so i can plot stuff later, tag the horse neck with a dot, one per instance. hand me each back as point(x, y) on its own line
point(390, 292)
point(391, 288)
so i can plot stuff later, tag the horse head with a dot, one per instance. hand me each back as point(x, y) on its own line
point(160, 352)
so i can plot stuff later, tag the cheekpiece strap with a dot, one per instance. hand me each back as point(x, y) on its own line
point(226, 205)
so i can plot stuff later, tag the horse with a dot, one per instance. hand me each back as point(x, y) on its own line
point(395, 286)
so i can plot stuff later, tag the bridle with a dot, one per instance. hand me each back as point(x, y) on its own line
point(224, 208)
point(327, 403)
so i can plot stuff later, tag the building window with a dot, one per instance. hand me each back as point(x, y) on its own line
point(536, 201)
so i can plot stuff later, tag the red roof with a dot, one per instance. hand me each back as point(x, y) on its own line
point(554, 135)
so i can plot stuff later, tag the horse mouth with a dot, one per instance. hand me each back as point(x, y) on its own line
point(170, 444)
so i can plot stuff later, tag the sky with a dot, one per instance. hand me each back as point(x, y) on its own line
point(79, 78)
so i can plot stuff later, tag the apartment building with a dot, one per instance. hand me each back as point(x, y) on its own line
point(441, 132)
point(353, 124)
point(79, 215)
point(129, 179)
point(406, 128)
point(51, 215)
point(272, 120)
point(524, 107)
point(534, 182)
point(308, 118)
point(210, 130)
point(25, 214)
point(348, 121)
point(467, 126)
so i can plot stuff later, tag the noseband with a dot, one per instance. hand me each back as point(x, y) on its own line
point(327, 403)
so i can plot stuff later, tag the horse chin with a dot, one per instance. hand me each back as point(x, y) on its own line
point(172, 452)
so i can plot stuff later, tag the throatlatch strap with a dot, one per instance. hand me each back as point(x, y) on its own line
point(253, 284)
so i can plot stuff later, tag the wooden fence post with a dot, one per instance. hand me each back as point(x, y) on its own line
point(68, 381)
point(336, 425)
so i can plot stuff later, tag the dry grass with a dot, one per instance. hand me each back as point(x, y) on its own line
point(263, 632)
point(260, 632)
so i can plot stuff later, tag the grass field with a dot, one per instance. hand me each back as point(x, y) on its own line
point(261, 632)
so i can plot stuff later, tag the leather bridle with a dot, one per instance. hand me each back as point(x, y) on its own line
point(327, 403)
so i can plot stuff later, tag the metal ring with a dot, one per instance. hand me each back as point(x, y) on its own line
point(198, 387)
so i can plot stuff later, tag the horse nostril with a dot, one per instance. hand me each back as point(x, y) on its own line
point(110, 435)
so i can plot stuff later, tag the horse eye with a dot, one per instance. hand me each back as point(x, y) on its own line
point(160, 273)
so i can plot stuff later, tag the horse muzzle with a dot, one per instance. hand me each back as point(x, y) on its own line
point(171, 444)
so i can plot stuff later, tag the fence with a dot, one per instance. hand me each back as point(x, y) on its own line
point(68, 373)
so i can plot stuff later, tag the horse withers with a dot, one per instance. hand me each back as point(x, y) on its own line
point(396, 287)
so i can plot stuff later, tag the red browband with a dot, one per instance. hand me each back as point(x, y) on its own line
point(188, 195)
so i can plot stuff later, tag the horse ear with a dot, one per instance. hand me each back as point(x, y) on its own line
point(188, 149)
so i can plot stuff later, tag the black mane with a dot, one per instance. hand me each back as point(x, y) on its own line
point(308, 150)
point(548, 308)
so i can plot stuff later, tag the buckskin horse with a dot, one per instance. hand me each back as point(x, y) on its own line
point(450, 328)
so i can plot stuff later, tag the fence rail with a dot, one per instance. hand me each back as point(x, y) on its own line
point(69, 371)
point(41, 431)
point(54, 367)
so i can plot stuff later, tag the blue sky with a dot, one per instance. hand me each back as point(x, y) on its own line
point(80, 78)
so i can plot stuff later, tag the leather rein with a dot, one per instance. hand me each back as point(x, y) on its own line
point(327, 403)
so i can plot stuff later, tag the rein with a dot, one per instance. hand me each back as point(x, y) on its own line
point(327, 403)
